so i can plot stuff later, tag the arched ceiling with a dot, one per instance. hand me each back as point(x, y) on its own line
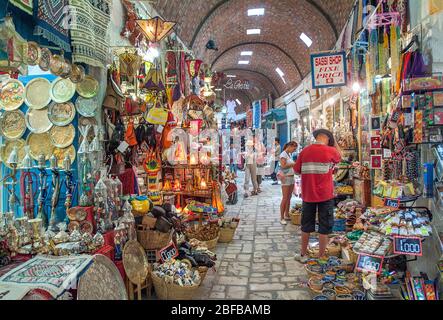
point(278, 45)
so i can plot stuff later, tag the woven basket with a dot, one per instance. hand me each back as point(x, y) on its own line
point(226, 235)
point(316, 289)
point(295, 218)
point(151, 239)
point(311, 273)
point(211, 244)
point(173, 291)
point(203, 271)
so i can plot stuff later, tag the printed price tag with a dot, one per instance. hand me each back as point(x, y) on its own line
point(393, 203)
point(408, 245)
point(369, 263)
point(168, 252)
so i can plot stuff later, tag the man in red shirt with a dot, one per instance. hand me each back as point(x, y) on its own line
point(315, 164)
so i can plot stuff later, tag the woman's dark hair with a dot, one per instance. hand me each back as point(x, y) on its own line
point(277, 140)
point(290, 143)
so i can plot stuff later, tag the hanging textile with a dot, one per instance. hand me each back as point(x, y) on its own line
point(25, 5)
point(89, 32)
point(50, 22)
point(395, 55)
point(435, 6)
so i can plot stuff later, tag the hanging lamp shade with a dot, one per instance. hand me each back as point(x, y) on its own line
point(155, 29)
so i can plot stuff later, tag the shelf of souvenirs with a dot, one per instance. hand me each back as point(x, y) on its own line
point(198, 193)
point(190, 166)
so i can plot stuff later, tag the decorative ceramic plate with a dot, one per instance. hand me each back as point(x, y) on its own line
point(12, 95)
point(102, 281)
point(39, 144)
point(62, 137)
point(61, 114)
point(37, 120)
point(6, 150)
point(12, 124)
point(88, 88)
point(86, 227)
point(73, 225)
point(135, 262)
point(56, 64)
point(37, 93)
point(67, 68)
point(45, 59)
point(86, 107)
point(77, 214)
point(77, 73)
point(33, 54)
point(60, 154)
point(62, 90)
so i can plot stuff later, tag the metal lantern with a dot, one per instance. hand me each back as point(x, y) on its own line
point(155, 29)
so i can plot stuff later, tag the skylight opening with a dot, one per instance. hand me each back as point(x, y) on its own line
point(253, 31)
point(243, 62)
point(306, 39)
point(238, 102)
point(256, 12)
point(246, 53)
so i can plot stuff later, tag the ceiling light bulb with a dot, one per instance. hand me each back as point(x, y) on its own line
point(253, 31)
point(256, 12)
point(238, 102)
point(331, 101)
point(243, 62)
point(246, 53)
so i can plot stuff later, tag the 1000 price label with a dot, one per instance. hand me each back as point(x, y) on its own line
point(368, 263)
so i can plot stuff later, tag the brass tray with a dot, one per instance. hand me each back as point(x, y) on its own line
point(77, 73)
point(12, 95)
point(88, 88)
point(102, 281)
point(37, 120)
point(60, 154)
point(37, 93)
point(62, 137)
point(39, 144)
point(61, 114)
point(56, 64)
point(62, 90)
point(6, 150)
point(135, 262)
point(12, 124)
point(45, 59)
point(87, 107)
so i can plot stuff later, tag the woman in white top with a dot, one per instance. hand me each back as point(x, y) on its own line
point(287, 177)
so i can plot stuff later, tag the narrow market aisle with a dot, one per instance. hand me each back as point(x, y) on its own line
point(259, 263)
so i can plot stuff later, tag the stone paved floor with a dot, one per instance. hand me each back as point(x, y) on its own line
point(259, 263)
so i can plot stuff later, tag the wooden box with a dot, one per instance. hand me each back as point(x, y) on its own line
point(362, 191)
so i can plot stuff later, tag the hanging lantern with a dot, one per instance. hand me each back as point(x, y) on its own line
point(193, 67)
point(193, 159)
point(155, 29)
point(203, 184)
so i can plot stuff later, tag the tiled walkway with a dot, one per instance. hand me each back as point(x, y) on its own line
point(259, 263)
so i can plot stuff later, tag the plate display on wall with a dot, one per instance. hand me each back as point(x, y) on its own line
point(33, 53)
point(102, 281)
point(61, 114)
point(37, 120)
point(88, 88)
point(135, 262)
point(12, 95)
point(62, 90)
point(9, 145)
point(39, 143)
point(62, 137)
point(60, 154)
point(12, 124)
point(56, 64)
point(77, 73)
point(45, 59)
point(37, 94)
point(86, 107)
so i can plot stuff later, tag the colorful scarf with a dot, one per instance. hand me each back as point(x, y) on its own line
point(25, 5)
point(51, 17)
point(89, 36)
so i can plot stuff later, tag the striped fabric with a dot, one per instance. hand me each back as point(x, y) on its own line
point(315, 168)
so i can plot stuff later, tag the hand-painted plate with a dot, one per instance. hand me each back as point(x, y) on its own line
point(77, 73)
point(102, 281)
point(62, 90)
point(12, 124)
point(86, 107)
point(60, 154)
point(40, 144)
point(9, 145)
point(61, 114)
point(12, 94)
point(62, 137)
point(37, 120)
point(88, 88)
point(76, 214)
point(67, 69)
point(37, 93)
point(135, 262)
point(45, 59)
point(33, 53)
point(56, 64)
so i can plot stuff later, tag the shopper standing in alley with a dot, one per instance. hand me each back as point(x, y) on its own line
point(315, 164)
point(261, 162)
point(287, 176)
point(277, 152)
point(250, 169)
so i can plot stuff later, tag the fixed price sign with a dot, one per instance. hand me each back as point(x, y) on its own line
point(369, 263)
point(408, 245)
point(168, 252)
point(328, 70)
point(393, 203)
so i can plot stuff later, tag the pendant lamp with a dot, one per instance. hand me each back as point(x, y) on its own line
point(155, 29)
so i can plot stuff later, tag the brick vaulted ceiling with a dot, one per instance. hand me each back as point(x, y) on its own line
point(278, 45)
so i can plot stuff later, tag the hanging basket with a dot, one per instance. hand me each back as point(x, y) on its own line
point(295, 218)
point(226, 235)
point(172, 291)
point(152, 239)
